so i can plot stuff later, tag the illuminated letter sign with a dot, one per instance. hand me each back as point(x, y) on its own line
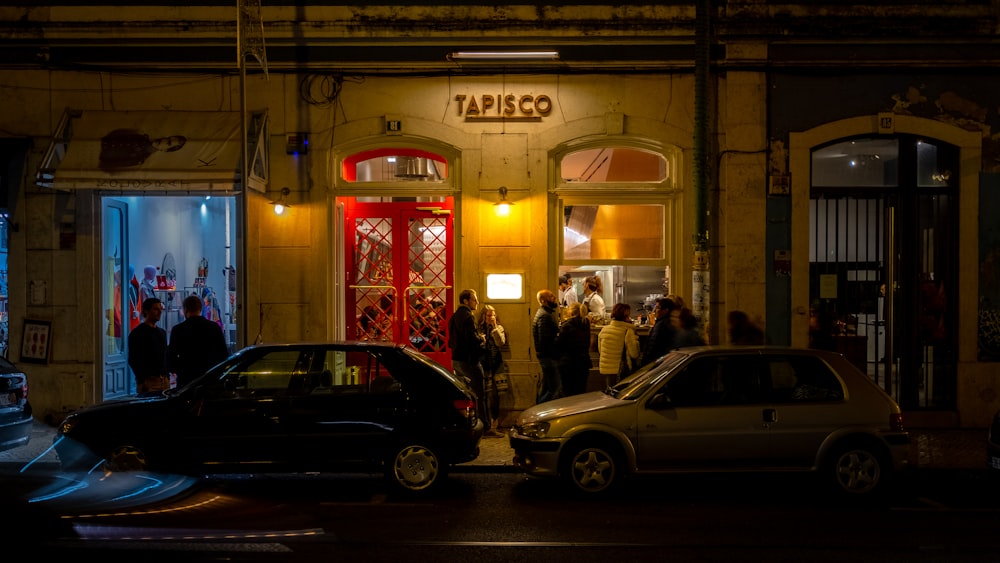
point(487, 107)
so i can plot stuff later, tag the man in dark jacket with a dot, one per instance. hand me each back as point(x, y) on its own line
point(147, 349)
point(467, 348)
point(196, 343)
point(663, 334)
point(544, 330)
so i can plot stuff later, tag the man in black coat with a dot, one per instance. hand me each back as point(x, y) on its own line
point(196, 343)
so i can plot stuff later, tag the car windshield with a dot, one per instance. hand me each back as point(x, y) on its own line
point(214, 373)
point(633, 386)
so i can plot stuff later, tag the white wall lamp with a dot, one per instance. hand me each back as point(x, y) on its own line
point(503, 56)
point(502, 206)
point(280, 204)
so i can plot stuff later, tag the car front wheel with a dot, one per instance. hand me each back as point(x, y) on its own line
point(591, 469)
point(415, 468)
point(126, 458)
point(858, 470)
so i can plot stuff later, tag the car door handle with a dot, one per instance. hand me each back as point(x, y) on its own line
point(770, 416)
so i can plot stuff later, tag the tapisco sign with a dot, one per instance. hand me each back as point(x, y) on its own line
point(503, 107)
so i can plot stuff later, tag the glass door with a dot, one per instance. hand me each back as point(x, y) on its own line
point(115, 289)
point(883, 270)
point(399, 273)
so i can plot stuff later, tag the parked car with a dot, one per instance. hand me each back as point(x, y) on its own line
point(334, 407)
point(15, 410)
point(993, 443)
point(721, 409)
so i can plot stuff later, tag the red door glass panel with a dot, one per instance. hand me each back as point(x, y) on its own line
point(399, 275)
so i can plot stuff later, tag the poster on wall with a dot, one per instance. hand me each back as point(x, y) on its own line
point(35, 341)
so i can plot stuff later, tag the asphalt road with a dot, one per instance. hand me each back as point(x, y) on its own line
point(937, 516)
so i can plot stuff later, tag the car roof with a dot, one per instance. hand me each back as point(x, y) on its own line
point(346, 343)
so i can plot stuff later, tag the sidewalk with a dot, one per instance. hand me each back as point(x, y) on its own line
point(930, 448)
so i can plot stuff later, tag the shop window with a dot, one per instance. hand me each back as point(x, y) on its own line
point(613, 232)
point(615, 211)
point(391, 165)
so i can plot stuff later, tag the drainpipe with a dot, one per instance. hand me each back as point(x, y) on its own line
point(700, 278)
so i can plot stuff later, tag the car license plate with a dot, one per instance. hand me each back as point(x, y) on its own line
point(7, 399)
point(995, 462)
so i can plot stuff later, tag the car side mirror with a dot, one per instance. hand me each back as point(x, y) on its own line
point(660, 401)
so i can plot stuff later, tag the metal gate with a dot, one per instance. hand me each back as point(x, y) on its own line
point(399, 273)
point(884, 263)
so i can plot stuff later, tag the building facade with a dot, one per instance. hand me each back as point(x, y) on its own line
point(745, 155)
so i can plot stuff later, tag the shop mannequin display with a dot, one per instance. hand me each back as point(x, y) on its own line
point(148, 284)
point(134, 318)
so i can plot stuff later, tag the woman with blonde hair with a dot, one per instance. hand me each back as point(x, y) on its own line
point(489, 325)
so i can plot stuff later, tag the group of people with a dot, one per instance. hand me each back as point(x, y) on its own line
point(196, 344)
point(561, 334)
point(476, 342)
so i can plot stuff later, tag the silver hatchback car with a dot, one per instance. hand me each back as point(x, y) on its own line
point(721, 409)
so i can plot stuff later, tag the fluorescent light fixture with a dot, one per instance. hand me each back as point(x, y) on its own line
point(504, 56)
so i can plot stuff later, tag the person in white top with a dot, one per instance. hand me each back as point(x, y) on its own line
point(567, 293)
point(592, 296)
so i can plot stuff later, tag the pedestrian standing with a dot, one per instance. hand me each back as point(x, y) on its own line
point(467, 348)
point(742, 330)
point(688, 333)
point(544, 331)
point(147, 350)
point(196, 343)
point(663, 334)
point(573, 343)
point(493, 364)
point(617, 345)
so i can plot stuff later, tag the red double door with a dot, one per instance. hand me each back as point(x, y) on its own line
point(399, 275)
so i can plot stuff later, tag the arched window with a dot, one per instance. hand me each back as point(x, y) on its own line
point(613, 164)
point(388, 165)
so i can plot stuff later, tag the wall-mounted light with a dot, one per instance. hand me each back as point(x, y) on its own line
point(502, 206)
point(280, 204)
point(504, 56)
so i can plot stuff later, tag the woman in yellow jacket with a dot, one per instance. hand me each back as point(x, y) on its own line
point(616, 336)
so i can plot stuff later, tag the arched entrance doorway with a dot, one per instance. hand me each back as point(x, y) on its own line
point(883, 273)
point(962, 199)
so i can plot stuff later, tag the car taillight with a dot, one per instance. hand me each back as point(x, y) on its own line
point(896, 422)
point(467, 407)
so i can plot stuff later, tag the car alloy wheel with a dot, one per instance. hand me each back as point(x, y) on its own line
point(857, 471)
point(415, 468)
point(126, 458)
point(592, 469)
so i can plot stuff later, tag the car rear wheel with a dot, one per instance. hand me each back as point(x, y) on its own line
point(591, 468)
point(126, 458)
point(858, 470)
point(415, 468)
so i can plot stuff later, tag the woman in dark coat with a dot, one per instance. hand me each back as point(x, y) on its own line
point(573, 344)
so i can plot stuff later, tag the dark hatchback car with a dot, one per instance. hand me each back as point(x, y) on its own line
point(15, 410)
point(330, 407)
